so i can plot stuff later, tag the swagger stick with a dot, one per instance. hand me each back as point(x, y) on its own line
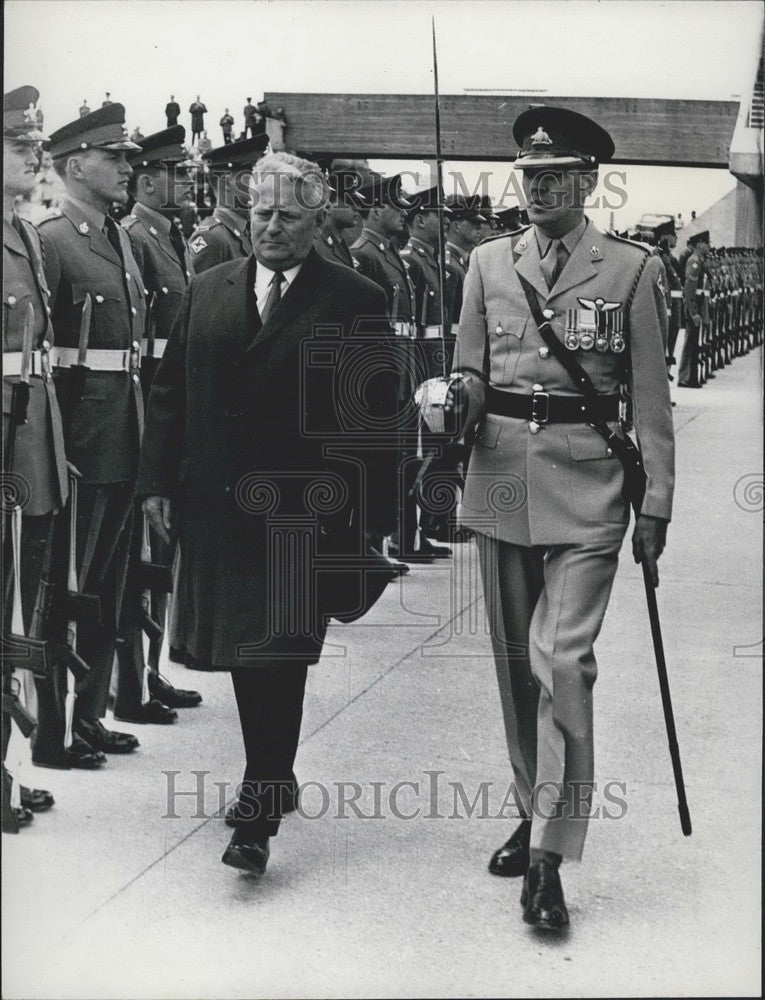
point(440, 208)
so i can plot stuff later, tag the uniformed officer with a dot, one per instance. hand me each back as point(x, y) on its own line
point(434, 358)
point(34, 463)
point(377, 256)
point(689, 376)
point(544, 489)
point(88, 255)
point(463, 234)
point(159, 182)
point(223, 235)
point(489, 218)
point(666, 239)
point(341, 217)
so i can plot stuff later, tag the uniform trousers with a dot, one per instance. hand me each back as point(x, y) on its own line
point(545, 606)
point(270, 703)
point(689, 362)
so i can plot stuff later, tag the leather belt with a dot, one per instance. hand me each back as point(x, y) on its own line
point(159, 348)
point(39, 363)
point(97, 360)
point(544, 408)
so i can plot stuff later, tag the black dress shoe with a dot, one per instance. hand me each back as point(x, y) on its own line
point(401, 568)
point(172, 696)
point(36, 799)
point(290, 799)
point(688, 385)
point(411, 557)
point(103, 739)
point(542, 898)
point(177, 654)
point(152, 712)
point(80, 755)
point(246, 854)
point(437, 551)
point(512, 859)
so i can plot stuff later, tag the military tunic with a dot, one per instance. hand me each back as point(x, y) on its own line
point(222, 236)
point(689, 375)
point(379, 260)
point(334, 248)
point(456, 262)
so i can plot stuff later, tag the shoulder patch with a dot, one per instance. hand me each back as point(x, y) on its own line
point(197, 244)
point(693, 267)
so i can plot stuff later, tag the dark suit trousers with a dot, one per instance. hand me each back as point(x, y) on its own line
point(270, 703)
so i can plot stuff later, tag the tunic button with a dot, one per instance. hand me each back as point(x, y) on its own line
point(548, 313)
point(537, 387)
point(164, 290)
point(133, 310)
point(498, 328)
point(544, 352)
point(609, 451)
point(135, 379)
point(46, 345)
point(11, 300)
point(99, 298)
point(135, 345)
point(533, 427)
point(127, 276)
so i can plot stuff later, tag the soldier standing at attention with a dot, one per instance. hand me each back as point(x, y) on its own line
point(172, 111)
point(666, 240)
point(159, 181)
point(463, 234)
point(87, 254)
point(342, 214)
point(224, 234)
point(544, 491)
point(688, 377)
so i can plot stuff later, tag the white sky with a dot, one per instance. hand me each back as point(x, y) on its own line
point(225, 50)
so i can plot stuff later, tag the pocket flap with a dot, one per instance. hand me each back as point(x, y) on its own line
point(488, 432)
point(500, 324)
point(586, 445)
point(106, 292)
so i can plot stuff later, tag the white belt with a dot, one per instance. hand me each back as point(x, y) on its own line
point(431, 332)
point(97, 361)
point(159, 348)
point(402, 329)
point(455, 329)
point(705, 291)
point(676, 294)
point(12, 363)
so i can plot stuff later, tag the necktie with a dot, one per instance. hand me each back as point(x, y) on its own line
point(176, 238)
point(274, 296)
point(110, 231)
point(554, 261)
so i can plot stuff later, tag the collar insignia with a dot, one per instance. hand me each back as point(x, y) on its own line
point(84, 228)
point(152, 230)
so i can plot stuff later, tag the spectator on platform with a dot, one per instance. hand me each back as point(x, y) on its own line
point(106, 101)
point(227, 124)
point(172, 111)
point(197, 112)
point(84, 109)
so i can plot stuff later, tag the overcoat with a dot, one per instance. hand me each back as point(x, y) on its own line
point(559, 483)
point(265, 437)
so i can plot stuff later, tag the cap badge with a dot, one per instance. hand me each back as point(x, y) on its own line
point(29, 114)
point(84, 228)
point(541, 138)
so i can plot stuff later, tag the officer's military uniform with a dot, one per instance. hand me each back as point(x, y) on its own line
point(333, 247)
point(693, 297)
point(34, 461)
point(674, 288)
point(543, 490)
point(224, 235)
point(88, 254)
point(164, 262)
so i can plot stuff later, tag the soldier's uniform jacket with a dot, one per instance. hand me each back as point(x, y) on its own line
point(693, 286)
point(422, 266)
point(334, 248)
point(221, 236)
point(380, 261)
point(561, 485)
point(456, 262)
point(39, 456)
point(162, 271)
point(674, 288)
point(104, 437)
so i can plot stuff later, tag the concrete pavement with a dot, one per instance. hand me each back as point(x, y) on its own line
point(106, 898)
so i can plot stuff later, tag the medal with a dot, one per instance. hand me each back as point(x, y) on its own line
point(601, 344)
point(572, 340)
point(617, 343)
point(586, 341)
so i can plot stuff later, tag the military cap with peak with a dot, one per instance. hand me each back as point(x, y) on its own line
point(428, 201)
point(103, 128)
point(664, 229)
point(243, 154)
point(18, 123)
point(559, 137)
point(486, 209)
point(702, 237)
point(463, 207)
point(380, 191)
point(161, 147)
point(510, 218)
point(344, 185)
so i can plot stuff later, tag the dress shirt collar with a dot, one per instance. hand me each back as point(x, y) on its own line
point(569, 241)
point(264, 276)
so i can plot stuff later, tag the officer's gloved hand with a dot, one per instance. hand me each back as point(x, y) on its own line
point(159, 514)
point(648, 541)
point(456, 398)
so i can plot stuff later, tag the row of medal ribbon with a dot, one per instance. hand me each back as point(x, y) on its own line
point(586, 329)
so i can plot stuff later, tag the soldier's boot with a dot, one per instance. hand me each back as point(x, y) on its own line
point(131, 705)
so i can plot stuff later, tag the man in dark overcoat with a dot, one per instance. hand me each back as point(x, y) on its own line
point(266, 407)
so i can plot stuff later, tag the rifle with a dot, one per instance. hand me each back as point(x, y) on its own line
point(12, 707)
point(20, 651)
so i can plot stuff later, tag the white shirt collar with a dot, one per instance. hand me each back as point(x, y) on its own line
point(264, 276)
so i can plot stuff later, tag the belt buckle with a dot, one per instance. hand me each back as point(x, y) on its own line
point(540, 397)
point(135, 356)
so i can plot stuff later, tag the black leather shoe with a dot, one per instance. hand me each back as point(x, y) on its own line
point(410, 557)
point(172, 696)
point(542, 898)
point(80, 755)
point(152, 712)
point(290, 799)
point(245, 854)
point(36, 799)
point(512, 859)
point(401, 568)
point(688, 385)
point(103, 739)
point(437, 551)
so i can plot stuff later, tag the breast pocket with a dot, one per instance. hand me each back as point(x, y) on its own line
point(109, 326)
point(505, 330)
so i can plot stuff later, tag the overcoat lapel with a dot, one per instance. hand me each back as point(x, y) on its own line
point(301, 294)
point(241, 314)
